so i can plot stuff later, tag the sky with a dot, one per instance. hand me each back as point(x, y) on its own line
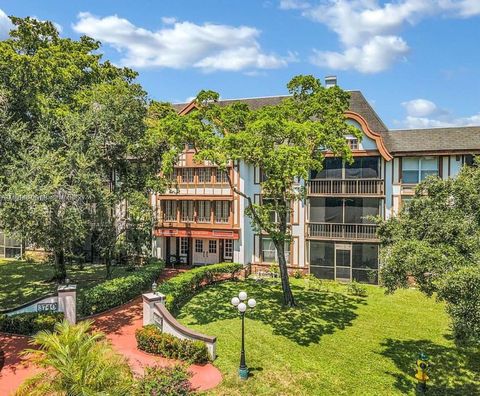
point(416, 61)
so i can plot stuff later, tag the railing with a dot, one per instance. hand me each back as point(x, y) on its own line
point(342, 231)
point(346, 187)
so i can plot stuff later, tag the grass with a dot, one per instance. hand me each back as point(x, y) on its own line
point(23, 281)
point(332, 343)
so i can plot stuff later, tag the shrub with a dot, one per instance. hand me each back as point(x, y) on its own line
point(150, 339)
point(179, 289)
point(29, 323)
point(118, 291)
point(164, 381)
point(356, 289)
point(461, 291)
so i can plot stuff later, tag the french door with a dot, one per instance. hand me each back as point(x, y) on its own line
point(205, 251)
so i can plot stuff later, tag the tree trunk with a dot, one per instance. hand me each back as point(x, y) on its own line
point(108, 266)
point(288, 299)
point(60, 268)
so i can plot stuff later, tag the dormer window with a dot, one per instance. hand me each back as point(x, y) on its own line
point(352, 143)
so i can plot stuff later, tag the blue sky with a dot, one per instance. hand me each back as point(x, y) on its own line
point(416, 61)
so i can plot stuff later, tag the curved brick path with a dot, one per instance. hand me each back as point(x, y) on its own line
point(119, 325)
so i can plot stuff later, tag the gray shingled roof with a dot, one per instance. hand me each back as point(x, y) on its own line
point(433, 139)
point(358, 104)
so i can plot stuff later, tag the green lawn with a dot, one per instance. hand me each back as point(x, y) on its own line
point(332, 344)
point(21, 282)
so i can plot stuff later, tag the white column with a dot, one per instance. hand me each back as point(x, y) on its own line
point(149, 300)
point(67, 302)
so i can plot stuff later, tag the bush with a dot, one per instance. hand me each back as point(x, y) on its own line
point(150, 339)
point(29, 323)
point(118, 291)
point(461, 291)
point(179, 289)
point(164, 381)
point(356, 289)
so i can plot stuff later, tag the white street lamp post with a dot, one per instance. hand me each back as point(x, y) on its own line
point(239, 303)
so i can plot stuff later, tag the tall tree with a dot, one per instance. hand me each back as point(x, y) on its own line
point(285, 141)
point(82, 122)
point(436, 240)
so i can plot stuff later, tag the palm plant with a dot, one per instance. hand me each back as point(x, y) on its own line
point(77, 362)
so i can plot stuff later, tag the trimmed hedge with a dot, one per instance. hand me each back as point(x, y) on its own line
point(180, 288)
point(164, 381)
point(150, 339)
point(29, 323)
point(118, 291)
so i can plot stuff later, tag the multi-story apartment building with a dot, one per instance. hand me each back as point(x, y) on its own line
point(333, 232)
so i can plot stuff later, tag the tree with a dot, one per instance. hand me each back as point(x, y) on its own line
point(77, 123)
point(285, 141)
point(436, 241)
point(76, 362)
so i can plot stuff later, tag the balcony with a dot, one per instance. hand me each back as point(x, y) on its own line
point(341, 231)
point(346, 187)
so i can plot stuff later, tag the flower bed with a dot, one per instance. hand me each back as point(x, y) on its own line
point(150, 339)
point(29, 323)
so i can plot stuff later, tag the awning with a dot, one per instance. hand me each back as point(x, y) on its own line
point(210, 234)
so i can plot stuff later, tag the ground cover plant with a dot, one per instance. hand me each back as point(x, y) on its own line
point(333, 342)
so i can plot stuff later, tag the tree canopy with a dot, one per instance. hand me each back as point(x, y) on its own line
point(436, 240)
point(285, 141)
point(76, 140)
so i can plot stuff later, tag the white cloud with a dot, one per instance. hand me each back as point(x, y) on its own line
point(169, 20)
point(293, 5)
point(369, 30)
point(181, 45)
point(5, 25)
point(374, 56)
point(420, 107)
point(423, 113)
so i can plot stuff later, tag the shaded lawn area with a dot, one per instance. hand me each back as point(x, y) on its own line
point(332, 343)
point(21, 282)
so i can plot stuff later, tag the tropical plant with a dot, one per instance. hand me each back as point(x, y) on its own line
point(164, 381)
point(76, 362)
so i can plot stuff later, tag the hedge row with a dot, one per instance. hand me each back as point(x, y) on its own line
point(118, 291)
point(180, 288)
point(29, 323)
point(150, 339)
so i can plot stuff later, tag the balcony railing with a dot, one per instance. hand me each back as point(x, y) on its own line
point(346, 187)
point(342, 231)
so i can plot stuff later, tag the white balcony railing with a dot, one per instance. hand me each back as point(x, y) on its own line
point(346, 187)
point(342, 231)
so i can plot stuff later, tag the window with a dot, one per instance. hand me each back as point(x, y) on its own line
point(187, 175)
point(322, 253)
point(212, 246)
point(204, 209)
point(169, 211)
point(204, 175)
point(222, 211)
point(221, 176)
point(183, 246)
point(9, 247)
point(339, 210)
point(416, 169)
point(198, 245)
point(269, 252)
point(363, 168)
point(274, 218)
point(352, 143)
point(332, 169)
point(187, 211)
point(228, 249)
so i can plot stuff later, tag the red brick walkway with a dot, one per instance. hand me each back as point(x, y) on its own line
point(119, 325)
